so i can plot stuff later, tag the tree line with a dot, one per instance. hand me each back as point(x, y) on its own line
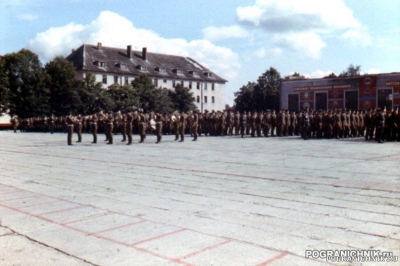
point(29, 89)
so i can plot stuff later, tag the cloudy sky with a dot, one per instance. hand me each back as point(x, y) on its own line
point(237, 39)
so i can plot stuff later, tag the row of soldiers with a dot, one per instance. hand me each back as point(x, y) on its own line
point(152, 122)
point(338, 123)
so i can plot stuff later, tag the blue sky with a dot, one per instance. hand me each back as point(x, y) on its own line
point(237, 39)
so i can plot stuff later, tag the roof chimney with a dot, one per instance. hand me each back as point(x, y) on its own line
point(73, 50)
point(144, 53)
point(99, 46)
point(129, 51)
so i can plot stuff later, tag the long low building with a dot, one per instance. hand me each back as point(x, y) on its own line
point(354, 93)
point(114, 65)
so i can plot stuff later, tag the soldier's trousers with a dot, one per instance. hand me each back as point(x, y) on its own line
point(110, 128)
point(70, 132)
point(123, 131)
point(182, 132)
point(266, 130)
point(194, 130)
point(79, 132)
point(159, 131)
point(94, 132)
point(129, 132)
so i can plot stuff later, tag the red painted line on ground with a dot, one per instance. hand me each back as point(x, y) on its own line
point(162, 256)
point(69, 209)
point(280, 256)
point(204, 249)
point(157, 237)
point(87, 218)
point(19, 198)
point(27, 213)
point(118, 227)
point(40, 204)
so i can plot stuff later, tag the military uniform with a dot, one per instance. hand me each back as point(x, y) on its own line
point(78, 123)
point(129, 120)
point(194, 124)
point(182, 126)
point(94, 127)
point(159, 123)
point(70, 126)
point(142, 119)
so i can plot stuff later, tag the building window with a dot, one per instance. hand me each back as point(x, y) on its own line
point(100, 64)
point(122, 66)
point(104, 79)
point(126, 81)
point(165, 81)
point(198, 99)
point(161, 70)
point(190, 84)
point(156, 82)
point(115, 79)
point(177, 71)
point(212, 99)
point(198, 85)
point(182, 83)
point(212, 86)
point(205, 99)
point(205, 85)
point(141, 68)
point(174, 83)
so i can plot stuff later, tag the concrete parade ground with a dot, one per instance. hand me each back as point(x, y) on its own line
point(218, 201)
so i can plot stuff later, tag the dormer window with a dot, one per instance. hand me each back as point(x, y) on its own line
point(141, 68)
point(193, 73)
point(177, 71)
point(208, 74)
point(99, 63)
point(122, 66)
point(162, 70)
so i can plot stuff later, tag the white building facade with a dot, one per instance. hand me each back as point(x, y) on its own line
point(119, 66)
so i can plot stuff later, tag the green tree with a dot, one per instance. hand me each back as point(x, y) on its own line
point(163, 102)
point(331, 75)
point(183, 99)
point(29, 95)
point(64, 95)
point(4, 91)
point(146, 92)
point(295, 75)
point(124, 97)
point(269, 83)
point(93, 97)
point(352, 71)
point(244, 100)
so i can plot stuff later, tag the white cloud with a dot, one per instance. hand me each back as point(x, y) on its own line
point(271, 52)
point(28, 17)
point(294, 15)
point(302, 25)
point(307, 43)
point(114, 30)
point(357, 36)
point(221, 33)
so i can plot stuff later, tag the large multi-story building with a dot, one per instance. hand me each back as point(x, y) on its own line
point(113, 65)
point(354, 93)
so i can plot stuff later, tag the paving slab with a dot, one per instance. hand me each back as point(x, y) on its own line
point(217, 201)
